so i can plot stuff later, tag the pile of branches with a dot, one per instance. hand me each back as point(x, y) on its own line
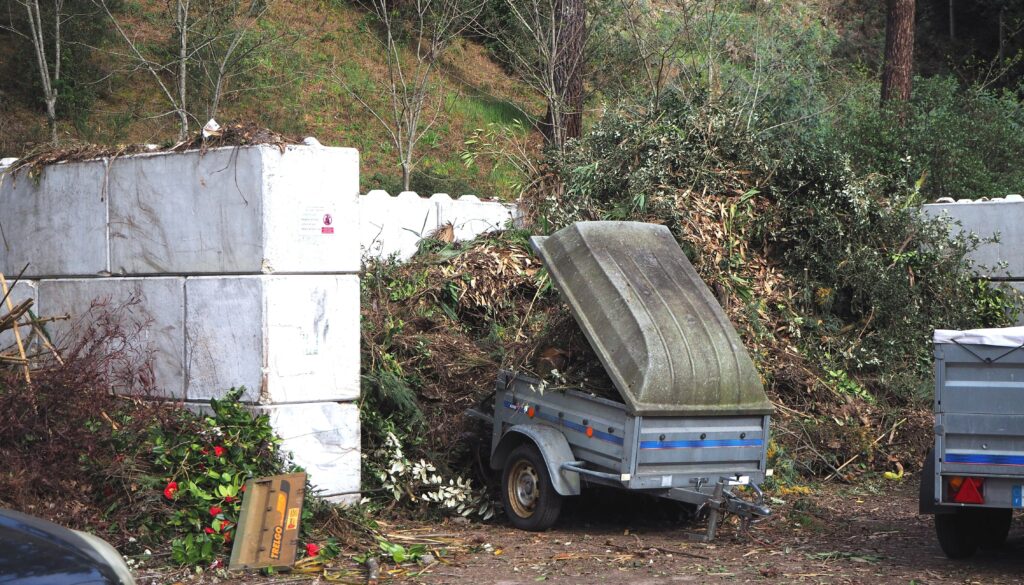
point(57, 430)
point(233, 134)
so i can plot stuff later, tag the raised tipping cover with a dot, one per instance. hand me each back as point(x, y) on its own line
point(661, 336)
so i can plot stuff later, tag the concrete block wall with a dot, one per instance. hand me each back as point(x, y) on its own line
point(394, 226)
point(242, 265)
point(1002, 217)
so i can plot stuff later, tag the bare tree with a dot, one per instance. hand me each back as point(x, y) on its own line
point(545, 43)
point(899, 51)
point(47, 50)
point(657, 52)
point(209, 37)
point(227, 49)
point(414, 41)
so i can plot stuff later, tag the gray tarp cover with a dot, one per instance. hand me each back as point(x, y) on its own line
point(660, 334)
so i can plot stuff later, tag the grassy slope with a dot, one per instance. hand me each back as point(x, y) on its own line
point(298, 90)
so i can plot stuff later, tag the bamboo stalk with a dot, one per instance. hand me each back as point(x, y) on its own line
point(17, 333)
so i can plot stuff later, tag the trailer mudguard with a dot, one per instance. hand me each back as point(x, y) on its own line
point(553, 447)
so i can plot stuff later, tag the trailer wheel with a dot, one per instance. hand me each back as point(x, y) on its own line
point(531, 502)
point(958, 533)
point(993, 527)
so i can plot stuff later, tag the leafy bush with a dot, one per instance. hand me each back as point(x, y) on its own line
point(959, 142)
point(206, 462)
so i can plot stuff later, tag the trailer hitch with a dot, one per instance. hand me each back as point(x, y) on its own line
point(723, 500)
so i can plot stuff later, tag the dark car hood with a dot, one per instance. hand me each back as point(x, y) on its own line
point(36, 552)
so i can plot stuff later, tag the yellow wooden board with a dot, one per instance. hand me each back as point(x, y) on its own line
point(268, 526)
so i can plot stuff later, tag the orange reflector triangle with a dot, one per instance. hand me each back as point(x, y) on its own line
point(969, 492)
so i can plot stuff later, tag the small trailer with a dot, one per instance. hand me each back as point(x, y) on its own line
point(974, 475)
point(692, 425)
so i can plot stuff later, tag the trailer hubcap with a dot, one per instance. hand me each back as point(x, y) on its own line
point(523, 489)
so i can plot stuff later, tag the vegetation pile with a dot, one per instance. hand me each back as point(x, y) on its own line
point(834, 280)
point(145, 474)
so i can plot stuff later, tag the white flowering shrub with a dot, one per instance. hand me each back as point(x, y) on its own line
point(421, 481)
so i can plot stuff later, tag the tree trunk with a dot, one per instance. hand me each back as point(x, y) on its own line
point(51, 117)
point(564, 120)
point(952, 22)
point(406, 176)
point(899, 51)
point(183, 29)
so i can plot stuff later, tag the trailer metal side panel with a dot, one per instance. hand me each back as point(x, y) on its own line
point(659, 332)
point(571, 412)
point(979, 412)
point(689, 446)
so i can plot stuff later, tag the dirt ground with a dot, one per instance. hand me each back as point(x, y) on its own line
point(839, 535)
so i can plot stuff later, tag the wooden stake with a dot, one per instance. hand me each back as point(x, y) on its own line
point(17, 333)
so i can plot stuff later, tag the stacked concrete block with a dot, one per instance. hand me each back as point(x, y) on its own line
point(153, 306)
point(1002, 217)
point(324, 438)
point(394, 226)
point(287, 339)
point(56, 224)
point(235, 211)
point(238, 265)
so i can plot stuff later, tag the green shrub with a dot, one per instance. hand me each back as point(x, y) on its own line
point(958, 142)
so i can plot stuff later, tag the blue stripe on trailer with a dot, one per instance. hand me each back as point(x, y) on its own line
point(701, 444)
point(978, 459)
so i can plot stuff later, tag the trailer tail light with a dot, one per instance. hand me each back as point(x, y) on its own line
point(531, 411)
point(590, 431)
point(967, 490)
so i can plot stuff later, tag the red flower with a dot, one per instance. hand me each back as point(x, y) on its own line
point(214, 510)
point(312, 549)
point(218, 451)
point(204, 451)
point(229, 499)
point(224, 527)
point(172, 486)
point(208, 530)
point(227, 537)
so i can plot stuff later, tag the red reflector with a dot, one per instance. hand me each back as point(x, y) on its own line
point(531, 411)
point(970, 492)
point(590, 431)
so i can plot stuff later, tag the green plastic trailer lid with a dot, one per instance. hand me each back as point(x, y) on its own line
point(658, 331)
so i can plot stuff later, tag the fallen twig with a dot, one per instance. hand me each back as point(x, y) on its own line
point(855, 457)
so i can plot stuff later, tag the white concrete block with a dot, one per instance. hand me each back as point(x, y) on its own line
point(224, 336)
point(1003, 218)
point(235, 210)
point(150, 310)
point(288, 339)
point(394, 225)
point(471, 217)
point(323, 438)
point(56, 224)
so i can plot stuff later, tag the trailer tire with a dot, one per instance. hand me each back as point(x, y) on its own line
point(958, 533)
point(993, 527)
point(531, 502)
